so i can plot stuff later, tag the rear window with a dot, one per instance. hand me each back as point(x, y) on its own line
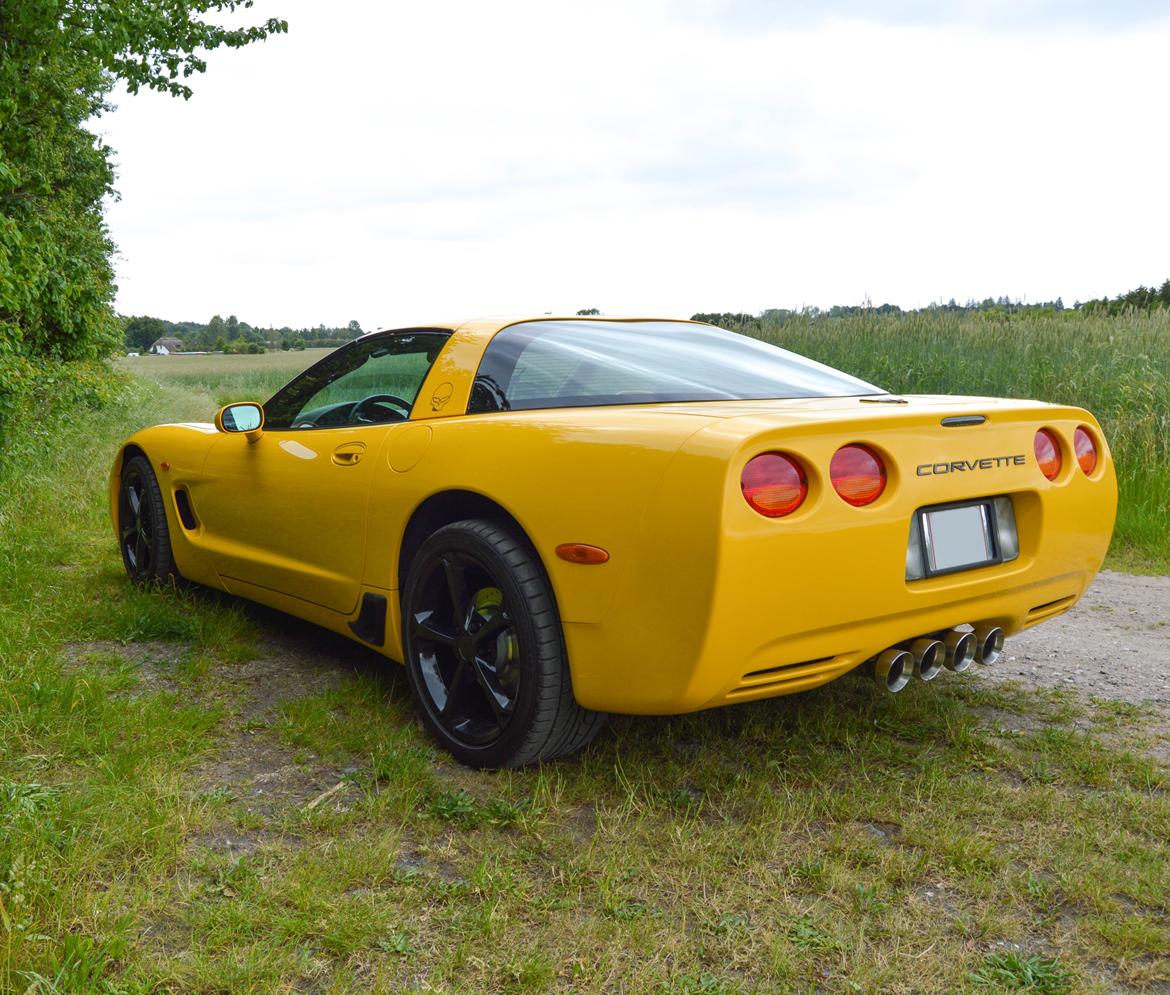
point(566, 364)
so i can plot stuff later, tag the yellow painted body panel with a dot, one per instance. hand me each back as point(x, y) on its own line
point(703, 602)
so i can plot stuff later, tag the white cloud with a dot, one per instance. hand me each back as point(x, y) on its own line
point(393, 164)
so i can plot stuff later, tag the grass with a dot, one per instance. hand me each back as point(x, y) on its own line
point(201, 796)
point(224, 378)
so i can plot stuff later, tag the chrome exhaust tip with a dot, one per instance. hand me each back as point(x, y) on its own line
point(988, 644)
point(892, 670)
point(929, 655)
point(960, 650)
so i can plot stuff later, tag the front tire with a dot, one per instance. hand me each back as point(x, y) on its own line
point(143, 535)
point(485, 654)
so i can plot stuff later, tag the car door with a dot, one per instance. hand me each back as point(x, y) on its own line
point(288, 511)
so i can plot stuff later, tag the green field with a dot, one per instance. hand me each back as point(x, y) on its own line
point(224, 378)
point(197, 795)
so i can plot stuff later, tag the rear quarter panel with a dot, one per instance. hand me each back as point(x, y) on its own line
point(565, 476)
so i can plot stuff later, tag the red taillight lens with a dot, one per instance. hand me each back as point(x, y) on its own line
point(775, 485)
point(1047, 450)
point(1086, 450)
point(857, 474)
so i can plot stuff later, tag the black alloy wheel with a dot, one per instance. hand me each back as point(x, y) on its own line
point(143, 535)
point(485, 654)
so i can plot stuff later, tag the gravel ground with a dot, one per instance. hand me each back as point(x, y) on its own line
point(1114, 644)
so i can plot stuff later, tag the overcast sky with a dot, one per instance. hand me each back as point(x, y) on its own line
point(395, 162)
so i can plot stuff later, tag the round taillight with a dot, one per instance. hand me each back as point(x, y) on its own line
point(1086, 450)
point(775, 485)
point(857, 474)
point(1047, 450)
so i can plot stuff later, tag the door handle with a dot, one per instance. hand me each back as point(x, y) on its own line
point(350, 454)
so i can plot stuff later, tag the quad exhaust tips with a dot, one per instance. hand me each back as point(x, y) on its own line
point(925, 657)
point(929, 655)
point(960, 650)
point(988, 644)
point(892, 670)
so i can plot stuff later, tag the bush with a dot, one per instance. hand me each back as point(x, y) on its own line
point(50, 387)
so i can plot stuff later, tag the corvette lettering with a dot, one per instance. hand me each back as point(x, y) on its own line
point(961, 466)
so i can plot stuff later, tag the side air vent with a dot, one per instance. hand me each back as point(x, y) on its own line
point(791, 676)
point(186, 512)
point(370, 625)
point(1050, 608)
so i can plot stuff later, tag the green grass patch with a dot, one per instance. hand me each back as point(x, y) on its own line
point(224, 378)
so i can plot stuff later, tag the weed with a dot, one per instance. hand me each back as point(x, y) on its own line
point(1015, 972)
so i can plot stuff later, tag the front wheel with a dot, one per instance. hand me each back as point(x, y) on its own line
point(143, 535)
point(485, 655)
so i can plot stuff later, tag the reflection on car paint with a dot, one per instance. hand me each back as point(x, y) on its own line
point(294, 448)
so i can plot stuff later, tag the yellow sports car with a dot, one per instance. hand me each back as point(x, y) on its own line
point(548, 519)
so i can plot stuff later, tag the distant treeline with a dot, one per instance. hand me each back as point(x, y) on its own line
point(232, 335)
point(1140, 299)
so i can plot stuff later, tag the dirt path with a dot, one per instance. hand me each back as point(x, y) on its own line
point(1114, 644)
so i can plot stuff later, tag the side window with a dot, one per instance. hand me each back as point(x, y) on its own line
point(367, 383)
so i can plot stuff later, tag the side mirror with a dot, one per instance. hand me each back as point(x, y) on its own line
point(246, 417)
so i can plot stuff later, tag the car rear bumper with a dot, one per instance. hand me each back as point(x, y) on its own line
point(842, 648)
point(770, 607)
point(745, 662)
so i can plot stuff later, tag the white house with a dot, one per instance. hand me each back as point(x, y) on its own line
point(166, 345)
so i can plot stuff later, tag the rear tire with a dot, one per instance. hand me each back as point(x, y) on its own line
point(143, 535)
point(485, 653)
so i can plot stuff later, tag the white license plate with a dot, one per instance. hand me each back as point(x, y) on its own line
point(958, 538)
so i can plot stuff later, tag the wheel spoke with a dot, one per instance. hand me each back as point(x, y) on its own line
point(139, 551)
point(423, 626)
point(493, 625)
point(134, 498)
point(461, 606)
point(487, 680)
point(453, 689)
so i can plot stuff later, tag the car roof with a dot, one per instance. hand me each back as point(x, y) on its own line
point(488, 326)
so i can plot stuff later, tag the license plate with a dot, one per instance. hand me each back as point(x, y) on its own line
point(958, 538)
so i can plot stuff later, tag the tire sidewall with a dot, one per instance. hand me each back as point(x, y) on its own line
point(462, 538)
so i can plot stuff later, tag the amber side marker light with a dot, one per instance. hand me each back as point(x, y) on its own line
point(579, 552)
point(1086, 450)
point(1047, 449)
point(774, 485)
point(858, 475)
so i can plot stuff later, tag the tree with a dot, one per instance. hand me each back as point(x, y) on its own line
point(354, 329)
point(589, 310)
point(58, 61)
point(143, 332)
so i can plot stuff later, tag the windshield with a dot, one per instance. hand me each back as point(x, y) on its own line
point(565, 364)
